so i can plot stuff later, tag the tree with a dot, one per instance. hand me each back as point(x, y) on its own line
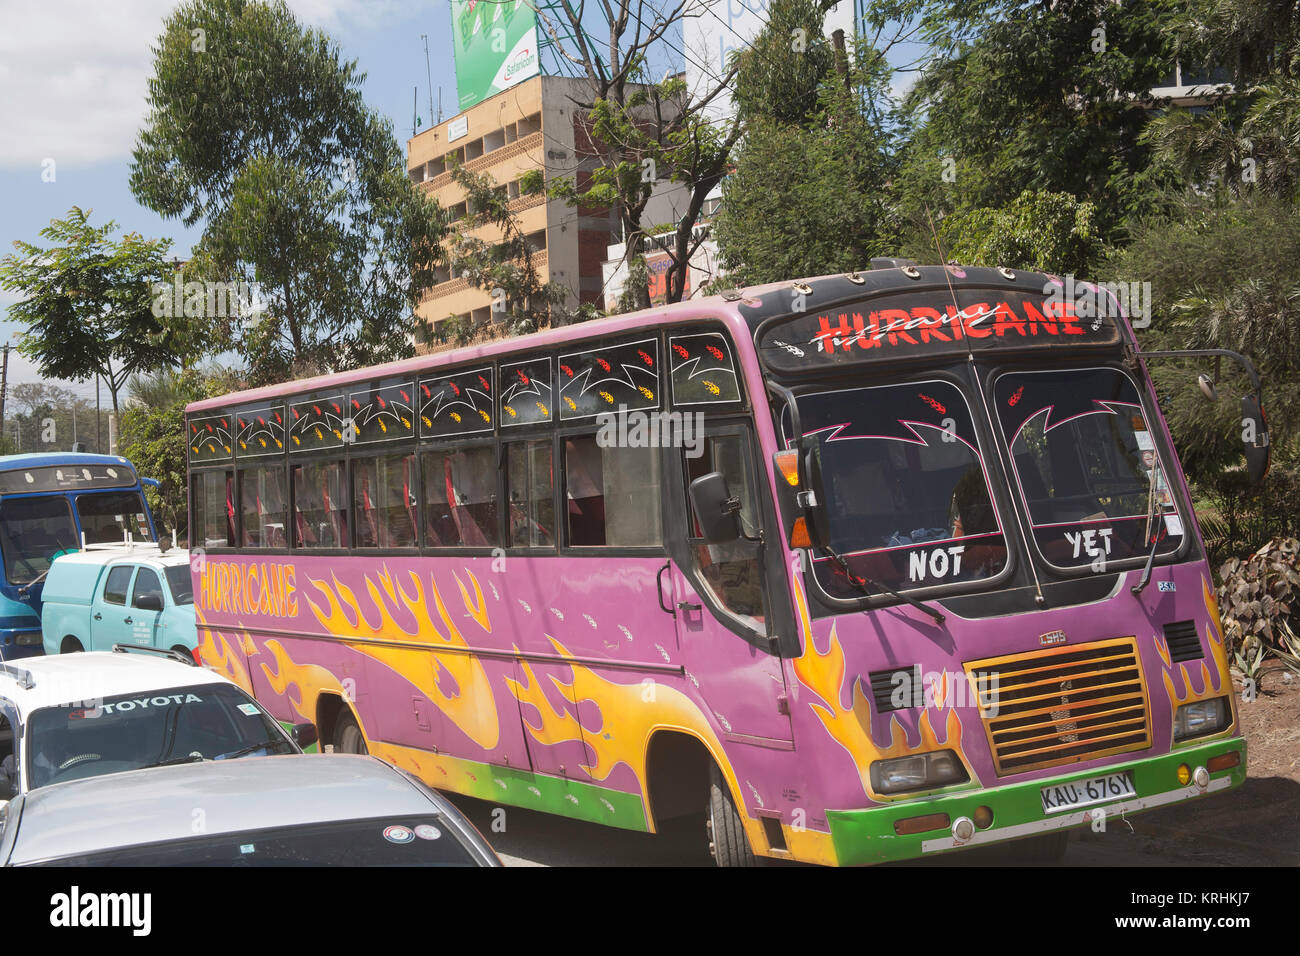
point(1048, 96)
point(40, 416)
point(521, 301)
point(643, 132)
point(806, 130)
point(88, 303)
point(257, 126)
point(1043, 231)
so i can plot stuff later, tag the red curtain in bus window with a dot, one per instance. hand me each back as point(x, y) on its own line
point(368, 506)
point(230, 508)
point(467, 528)
point(407, 500)
point(340, 530)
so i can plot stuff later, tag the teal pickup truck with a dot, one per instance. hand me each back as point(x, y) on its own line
point(124, 595)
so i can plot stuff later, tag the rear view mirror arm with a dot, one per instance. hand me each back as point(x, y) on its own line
point(1237, 357)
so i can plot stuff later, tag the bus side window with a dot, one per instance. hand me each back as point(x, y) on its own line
point(530, 489)
point(320, 505)
point(611, 494)
point(731, 570)
point(460, 497)
point(212, 525)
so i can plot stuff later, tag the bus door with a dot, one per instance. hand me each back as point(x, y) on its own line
point(720, 596)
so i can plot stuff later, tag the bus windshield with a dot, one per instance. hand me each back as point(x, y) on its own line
point(908, 500)
point(107, 515)
point(1084, 457)
point(32, 531)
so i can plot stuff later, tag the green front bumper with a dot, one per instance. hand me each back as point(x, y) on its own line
point(868, 836)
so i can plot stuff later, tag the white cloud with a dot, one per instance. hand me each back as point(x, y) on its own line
point(74, 73)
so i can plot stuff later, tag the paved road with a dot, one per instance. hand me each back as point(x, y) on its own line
point(537, 839)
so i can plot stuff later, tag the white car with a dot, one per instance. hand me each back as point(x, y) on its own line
point(71, 716)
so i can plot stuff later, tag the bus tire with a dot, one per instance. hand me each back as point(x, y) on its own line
point(1048, 848)
point(71, 645)
point(348, 738)
point(727, 841)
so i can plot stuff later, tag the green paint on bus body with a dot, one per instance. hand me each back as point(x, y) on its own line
point(868, 836)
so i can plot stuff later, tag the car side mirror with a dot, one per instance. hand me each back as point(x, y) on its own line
point(715, 509)
point(1254, 435)
point(151, 601)
point(304, 735)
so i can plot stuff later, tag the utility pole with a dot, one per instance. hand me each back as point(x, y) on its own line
point(4, 387)
point(99, 442)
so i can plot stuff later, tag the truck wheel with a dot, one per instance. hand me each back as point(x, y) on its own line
point(727, 840)
point(70, 645)
point(348, 738)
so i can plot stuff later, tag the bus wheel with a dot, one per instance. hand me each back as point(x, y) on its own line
point(1048, 848)
point(70, 645)
point(727, 840)
point(348, 738)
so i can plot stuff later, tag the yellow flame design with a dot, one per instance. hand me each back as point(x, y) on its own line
point(301, 684)
point(215, 652)
point(1212, 678)
point(469, 704)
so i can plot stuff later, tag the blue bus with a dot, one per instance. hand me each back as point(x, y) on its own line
point(52, 503)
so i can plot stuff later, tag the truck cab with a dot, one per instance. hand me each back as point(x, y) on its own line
point(94, 599)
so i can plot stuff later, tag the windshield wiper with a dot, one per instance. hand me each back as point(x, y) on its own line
point(864, 585)
point(188, 758)
point(1153, 530)
point(261, 745)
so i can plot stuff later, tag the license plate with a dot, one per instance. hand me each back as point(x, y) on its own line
point(1083, 793)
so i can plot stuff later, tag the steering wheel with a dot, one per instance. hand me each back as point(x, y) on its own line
point(79, 758)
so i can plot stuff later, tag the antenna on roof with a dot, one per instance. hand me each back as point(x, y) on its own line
point(428, 75)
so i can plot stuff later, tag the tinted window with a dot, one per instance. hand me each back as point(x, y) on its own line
point(423, 840)
point(108, 516)
point(460, 498)
point(180, 583)
point(383, 502)
point(131, 731)
point(1086, 466)
point(530, 479)
point(262, 508)
point(146, 582)
point(32, 532)
point(612, 494)
point(320, 505)
point(730, 570)
point(119, 579)
point(212, 523)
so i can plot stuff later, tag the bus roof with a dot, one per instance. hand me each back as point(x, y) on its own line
point(46, 459)
point(744, 310)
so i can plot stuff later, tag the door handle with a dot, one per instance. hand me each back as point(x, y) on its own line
point(98, 616)
point(659, 588)
point(688, 606)
point(126, 620)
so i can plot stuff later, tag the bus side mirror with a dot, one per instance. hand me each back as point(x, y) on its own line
point(715, 509)
point(1254, 435)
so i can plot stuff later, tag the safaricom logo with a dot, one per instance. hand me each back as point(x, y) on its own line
point(522, 59)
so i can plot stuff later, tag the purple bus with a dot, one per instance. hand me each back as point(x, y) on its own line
point(853, 569)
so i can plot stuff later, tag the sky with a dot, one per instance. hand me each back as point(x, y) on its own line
point(73, 82)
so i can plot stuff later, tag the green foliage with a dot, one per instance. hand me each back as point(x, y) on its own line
point(88, 302)
point(1048, 97)
point(40, 417)
point(1048, 232)
point(832, 162)
point(522, 301)
point(258, 128)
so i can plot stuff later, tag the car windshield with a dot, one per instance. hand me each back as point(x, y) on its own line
point(420, 840)
point(107, 515)
point(32, 532)
point(93, 737)
point(180, 583)
point(907, 498)
point(1084, 456)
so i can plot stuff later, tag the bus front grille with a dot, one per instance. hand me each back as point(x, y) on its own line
point(1062, 706)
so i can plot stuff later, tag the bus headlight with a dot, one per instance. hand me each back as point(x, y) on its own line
point(918, 772)
point(1200, 718)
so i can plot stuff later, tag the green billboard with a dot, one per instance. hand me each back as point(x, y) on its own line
point(495, 46)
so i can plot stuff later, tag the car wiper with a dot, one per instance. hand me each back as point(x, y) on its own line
point(188, 758)
point(865, 584)
point(1153, 530)
point(242, 751)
